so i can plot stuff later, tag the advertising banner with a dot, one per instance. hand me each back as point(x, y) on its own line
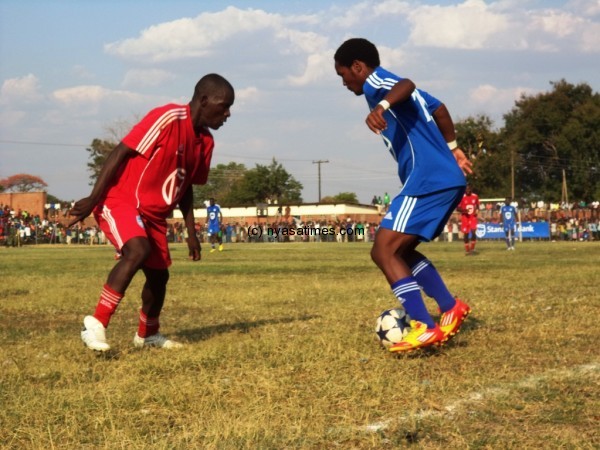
point(536, 230)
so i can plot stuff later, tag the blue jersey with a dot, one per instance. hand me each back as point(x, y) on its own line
point(508, 214)
point(425, 164)
point(212, 212)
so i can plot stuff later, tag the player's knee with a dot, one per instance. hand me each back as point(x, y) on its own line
point(157, 277)
point(137, 250)
point(378, 256)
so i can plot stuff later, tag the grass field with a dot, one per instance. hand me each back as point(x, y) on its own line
point(281, 353)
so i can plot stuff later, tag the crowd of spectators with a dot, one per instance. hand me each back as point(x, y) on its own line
point(20, 228)
point(568, 222)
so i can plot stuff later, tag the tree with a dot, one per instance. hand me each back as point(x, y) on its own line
point(265, 184)
point(221, 179)
point(491, 166)
point(342, 197)
point(554, 132)
point(99, 151)
point(101, 148)
point(23, 182)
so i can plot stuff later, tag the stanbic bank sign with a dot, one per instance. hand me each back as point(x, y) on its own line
point(537, 230)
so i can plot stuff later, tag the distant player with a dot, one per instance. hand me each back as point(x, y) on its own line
point(419, 133)
point(508, 215)
point(214, 218)
point(469, 207)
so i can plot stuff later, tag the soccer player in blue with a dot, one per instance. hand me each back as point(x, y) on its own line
point(508, 215)
point(214, 217)
point(419, 133)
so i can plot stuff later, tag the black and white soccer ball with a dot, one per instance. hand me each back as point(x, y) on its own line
point(392, 325)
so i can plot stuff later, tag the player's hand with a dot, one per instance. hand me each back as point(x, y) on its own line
point(81, 210)
point(375, 120)
point(462, 160)
point(195, 251)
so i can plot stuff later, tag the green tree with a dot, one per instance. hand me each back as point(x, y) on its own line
point(221, 179)
point(101, 148)
point(554, 132)
point(264, 184)
point(342, 197)
point(491, 167)
point(98, 152)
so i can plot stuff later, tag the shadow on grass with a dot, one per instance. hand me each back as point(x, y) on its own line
point(204, 333)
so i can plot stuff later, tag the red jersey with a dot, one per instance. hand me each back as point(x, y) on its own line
point(469, 205)
point(170, 157)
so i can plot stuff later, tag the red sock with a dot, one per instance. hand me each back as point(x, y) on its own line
point(467, 247)
point(148, 325)
point(473, 246)
point(107, 305)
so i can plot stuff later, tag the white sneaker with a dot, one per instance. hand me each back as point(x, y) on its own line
point(93, 334)
point(156, 340)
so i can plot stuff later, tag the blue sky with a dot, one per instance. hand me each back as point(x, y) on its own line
point(72, 71)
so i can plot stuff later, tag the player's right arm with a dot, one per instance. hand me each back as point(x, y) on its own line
point(399, 93)
point(113, 163)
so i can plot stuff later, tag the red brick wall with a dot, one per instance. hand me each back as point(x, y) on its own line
point(32, 202)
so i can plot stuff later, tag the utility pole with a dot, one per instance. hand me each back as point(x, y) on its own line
point(319, 162)
point(512, 173)
point(565, 194)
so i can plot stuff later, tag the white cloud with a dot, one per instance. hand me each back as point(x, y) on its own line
point(469, 25)
point(352, 16)
point(192, 38)
point(92, 99)
point(91, 95)
point(318, 66)
point(359, 13)
point(391, 57)
point(246, 94)
point(494, 100)
point(23, 90)
point(587, 8)
point(556, 30)
point(147, 77)
point(504, 25)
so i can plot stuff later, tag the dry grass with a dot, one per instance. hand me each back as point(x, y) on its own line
point(280, 353)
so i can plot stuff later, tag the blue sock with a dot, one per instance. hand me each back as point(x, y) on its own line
point(430, 280)
point(408, 293)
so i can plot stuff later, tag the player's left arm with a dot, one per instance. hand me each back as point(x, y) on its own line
point(186, 205)
point(446, 126)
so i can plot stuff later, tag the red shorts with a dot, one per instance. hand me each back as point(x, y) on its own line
point(468, 224)
point(122, 222)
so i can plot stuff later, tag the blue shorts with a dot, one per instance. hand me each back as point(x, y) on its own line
point(213, 229)
point(425, 216)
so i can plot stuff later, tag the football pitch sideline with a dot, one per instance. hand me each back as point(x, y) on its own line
point(280, 352)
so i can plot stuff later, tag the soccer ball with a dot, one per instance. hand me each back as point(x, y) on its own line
point(392, 325)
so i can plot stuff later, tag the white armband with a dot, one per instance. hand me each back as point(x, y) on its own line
point(453, 145)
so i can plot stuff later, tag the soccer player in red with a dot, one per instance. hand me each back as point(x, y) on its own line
point(144, 178)
point(468, 207)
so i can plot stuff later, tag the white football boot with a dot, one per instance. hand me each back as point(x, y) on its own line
point(93, 334)
point(156, 340)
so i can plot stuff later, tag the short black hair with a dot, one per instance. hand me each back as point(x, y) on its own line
point(210, 84)
point(357, 49)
